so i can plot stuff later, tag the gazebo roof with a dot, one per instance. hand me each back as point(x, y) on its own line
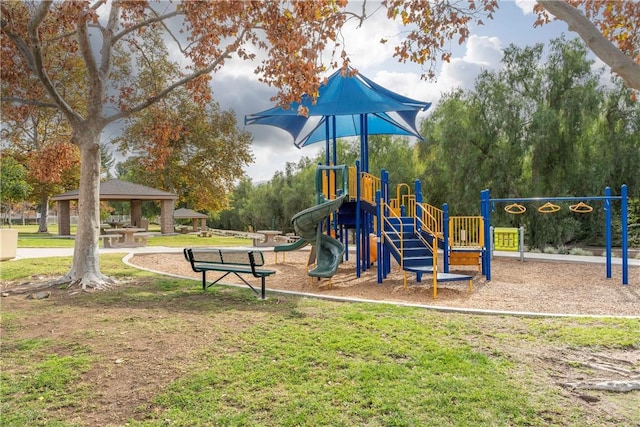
point(184, 213)
point(115, 189)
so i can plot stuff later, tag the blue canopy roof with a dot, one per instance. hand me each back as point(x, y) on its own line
point(346, 97)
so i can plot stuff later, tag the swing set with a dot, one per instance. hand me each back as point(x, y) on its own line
point(487, 204)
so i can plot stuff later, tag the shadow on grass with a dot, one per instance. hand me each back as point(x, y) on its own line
point(176, 295)
point(137, 289)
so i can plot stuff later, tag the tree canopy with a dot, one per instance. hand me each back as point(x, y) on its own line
point(80, 58)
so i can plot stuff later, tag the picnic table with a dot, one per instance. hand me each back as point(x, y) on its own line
point(269, 238)
point(128, 237)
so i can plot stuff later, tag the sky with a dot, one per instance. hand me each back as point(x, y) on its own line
point(237, 88)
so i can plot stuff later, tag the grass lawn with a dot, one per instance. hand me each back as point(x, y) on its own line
point(28, 237)
point(157, 351)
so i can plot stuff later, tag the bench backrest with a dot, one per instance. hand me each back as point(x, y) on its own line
point(224, 256)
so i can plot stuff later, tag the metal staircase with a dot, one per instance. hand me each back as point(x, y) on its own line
point(414, 248)
point(404, 227)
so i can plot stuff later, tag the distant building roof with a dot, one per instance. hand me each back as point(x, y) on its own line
point(115, 189)
point(184, 213)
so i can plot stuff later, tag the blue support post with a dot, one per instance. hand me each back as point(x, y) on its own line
point(358, 219)
point(335, 144)
point(344, 236)
point(445, 236)
point(624, 200)
point(607, 229)
point(384, 186)
point(418, 192)
point(379, 237)
point(485, 209)
point(327, 152)
point(365, 131)
point(417, 185)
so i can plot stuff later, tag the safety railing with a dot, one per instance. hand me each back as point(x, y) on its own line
point(389, 229)
point(353, 182)
point(370, 184)
point(433, 219)
point(403, 198)
point(419, 224)
point(332, 181)
point(466, 232)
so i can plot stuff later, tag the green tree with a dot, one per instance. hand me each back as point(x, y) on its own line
point(532, 129)
point(107, 161)
point(179, 145)
point(13, 185)
point(39, 137)
point(201, 162)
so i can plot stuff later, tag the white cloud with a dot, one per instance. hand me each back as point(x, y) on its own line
point(269, 160)
point(483, 50)
point(526, 6)
point(480, 53)
point(363, 44)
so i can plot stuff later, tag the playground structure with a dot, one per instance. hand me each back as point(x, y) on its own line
point(418, 236)
point(516, 207)
point(406, 230)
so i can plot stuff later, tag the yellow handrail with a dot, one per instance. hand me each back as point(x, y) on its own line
point(433, 218)
point(369, 186)
point(385, 231)
point(352, 182)
point(434, 251)
point(466, 231)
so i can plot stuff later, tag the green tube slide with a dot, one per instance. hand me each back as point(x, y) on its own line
point(308, 225)
point(298, 244)
point(329, 253)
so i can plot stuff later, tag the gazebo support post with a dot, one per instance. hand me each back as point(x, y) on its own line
point(166, 217)
point(136, 213)
point(64, 218)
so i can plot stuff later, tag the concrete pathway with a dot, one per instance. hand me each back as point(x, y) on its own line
point(23, 253)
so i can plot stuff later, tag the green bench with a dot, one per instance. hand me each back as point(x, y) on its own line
point(228, 261)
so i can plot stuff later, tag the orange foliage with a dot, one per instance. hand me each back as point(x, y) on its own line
point(48, 165)
point(57, 64)
point(432, 25)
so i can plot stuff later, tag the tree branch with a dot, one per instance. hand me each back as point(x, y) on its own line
point(35, 54)
point(158, 18)
point(150, 101)
point(17, 100)
point(93, 73)
point(602, 47)
point(107, 40)
point(20, 43)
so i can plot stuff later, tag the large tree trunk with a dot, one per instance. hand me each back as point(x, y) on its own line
point(603, 48)
point(43, 227)
point(85, 270)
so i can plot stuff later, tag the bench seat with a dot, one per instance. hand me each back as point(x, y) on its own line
point(228, 261)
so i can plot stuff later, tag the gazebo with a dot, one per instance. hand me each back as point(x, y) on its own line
point(184, 213)
point(117, 190)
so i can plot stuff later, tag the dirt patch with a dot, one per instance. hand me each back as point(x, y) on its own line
point(529, 286)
